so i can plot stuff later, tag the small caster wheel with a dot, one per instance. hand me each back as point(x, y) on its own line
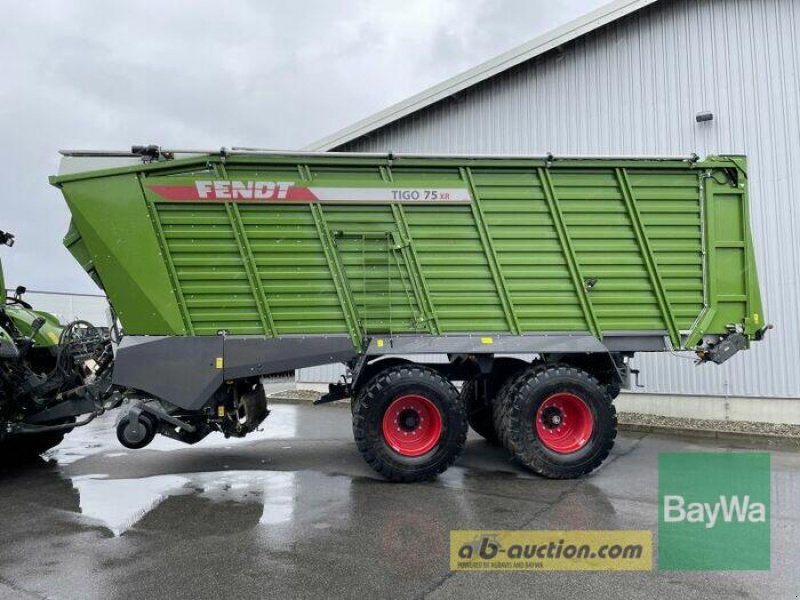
point(137, 433)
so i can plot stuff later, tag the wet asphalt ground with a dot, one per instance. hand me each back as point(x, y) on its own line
point(294, 512)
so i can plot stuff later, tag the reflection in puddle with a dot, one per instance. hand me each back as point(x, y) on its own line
point(120, 503)
point(281, 491)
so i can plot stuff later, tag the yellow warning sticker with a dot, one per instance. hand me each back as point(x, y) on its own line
point(380, 343)
point(755, 318)
point(487, 340)
point(220, 411)
point(218, 363)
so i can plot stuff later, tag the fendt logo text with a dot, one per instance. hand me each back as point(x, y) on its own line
point(731, 509)
point(246, 190)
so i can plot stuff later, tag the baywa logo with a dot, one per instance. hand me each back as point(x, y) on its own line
point(730, 509)
point(714, 511)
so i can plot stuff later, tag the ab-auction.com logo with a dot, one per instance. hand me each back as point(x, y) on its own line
point(550, 550)
point(714, 511)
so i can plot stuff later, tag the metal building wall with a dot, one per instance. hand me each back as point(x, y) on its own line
point(323, 374)
point(634, 87)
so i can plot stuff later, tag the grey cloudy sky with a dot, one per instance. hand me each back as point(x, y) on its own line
point(99, 74)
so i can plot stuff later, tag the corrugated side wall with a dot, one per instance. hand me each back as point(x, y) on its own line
point(635, 87)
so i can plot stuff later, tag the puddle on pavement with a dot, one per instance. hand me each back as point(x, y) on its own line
point(119, 504)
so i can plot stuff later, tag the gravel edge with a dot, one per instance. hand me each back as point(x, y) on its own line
point(775, 433)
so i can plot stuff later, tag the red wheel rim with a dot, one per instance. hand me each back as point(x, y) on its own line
point(564, 423)
point(412, 425)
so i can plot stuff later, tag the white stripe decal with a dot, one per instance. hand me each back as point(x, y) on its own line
point(288, 192)
point(403, 195)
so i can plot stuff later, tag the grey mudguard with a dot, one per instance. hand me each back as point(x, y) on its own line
point(186, 371)
point(181, 370)
point(246, 356)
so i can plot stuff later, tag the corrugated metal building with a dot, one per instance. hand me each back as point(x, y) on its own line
point(630, 79)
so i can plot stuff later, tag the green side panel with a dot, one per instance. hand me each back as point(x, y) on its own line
point(117, 233)
point(733, 286)
point(451, 256)
point(77, 247)
point(209, 268)
point(293, 270)
point(380, 283)
point(456, 269)
point(607, 251)
point(529, 251)
point(670, 208)
point(525, 246)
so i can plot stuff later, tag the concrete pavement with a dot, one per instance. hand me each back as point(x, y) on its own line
point(295, 513)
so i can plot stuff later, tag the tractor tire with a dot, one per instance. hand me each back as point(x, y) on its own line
point(409, 423)
point(478, 401)
point(27, 446)
point(559, 421)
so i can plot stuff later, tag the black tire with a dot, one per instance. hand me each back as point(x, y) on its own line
point(499, 406)
point(478, 397)
point(24, 447)
point(146, 432)
point(27, 446)
point(516, 417)
point(371, 404)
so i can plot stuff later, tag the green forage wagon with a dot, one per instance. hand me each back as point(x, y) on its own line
point(533, 280)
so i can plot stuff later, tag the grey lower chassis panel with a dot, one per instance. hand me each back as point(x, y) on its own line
point(181, 370)
point(246, 356)
point(187, 370)
point(515, 344)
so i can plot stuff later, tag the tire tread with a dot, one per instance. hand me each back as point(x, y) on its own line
point(512, 428)
point(370, 394)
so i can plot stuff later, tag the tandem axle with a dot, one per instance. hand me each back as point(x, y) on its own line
point(409, 419)
point(546, 399)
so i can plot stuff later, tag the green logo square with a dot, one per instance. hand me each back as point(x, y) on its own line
point(714, 511)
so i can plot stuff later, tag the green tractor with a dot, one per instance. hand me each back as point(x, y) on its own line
point(53, 376)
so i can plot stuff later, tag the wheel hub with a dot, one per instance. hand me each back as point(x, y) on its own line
point(135, 432)
point(564, 423)
point(409, 420)
point(412, 425)
point(552, 417)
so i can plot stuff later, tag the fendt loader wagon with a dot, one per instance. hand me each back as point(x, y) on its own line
point(224, 267)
